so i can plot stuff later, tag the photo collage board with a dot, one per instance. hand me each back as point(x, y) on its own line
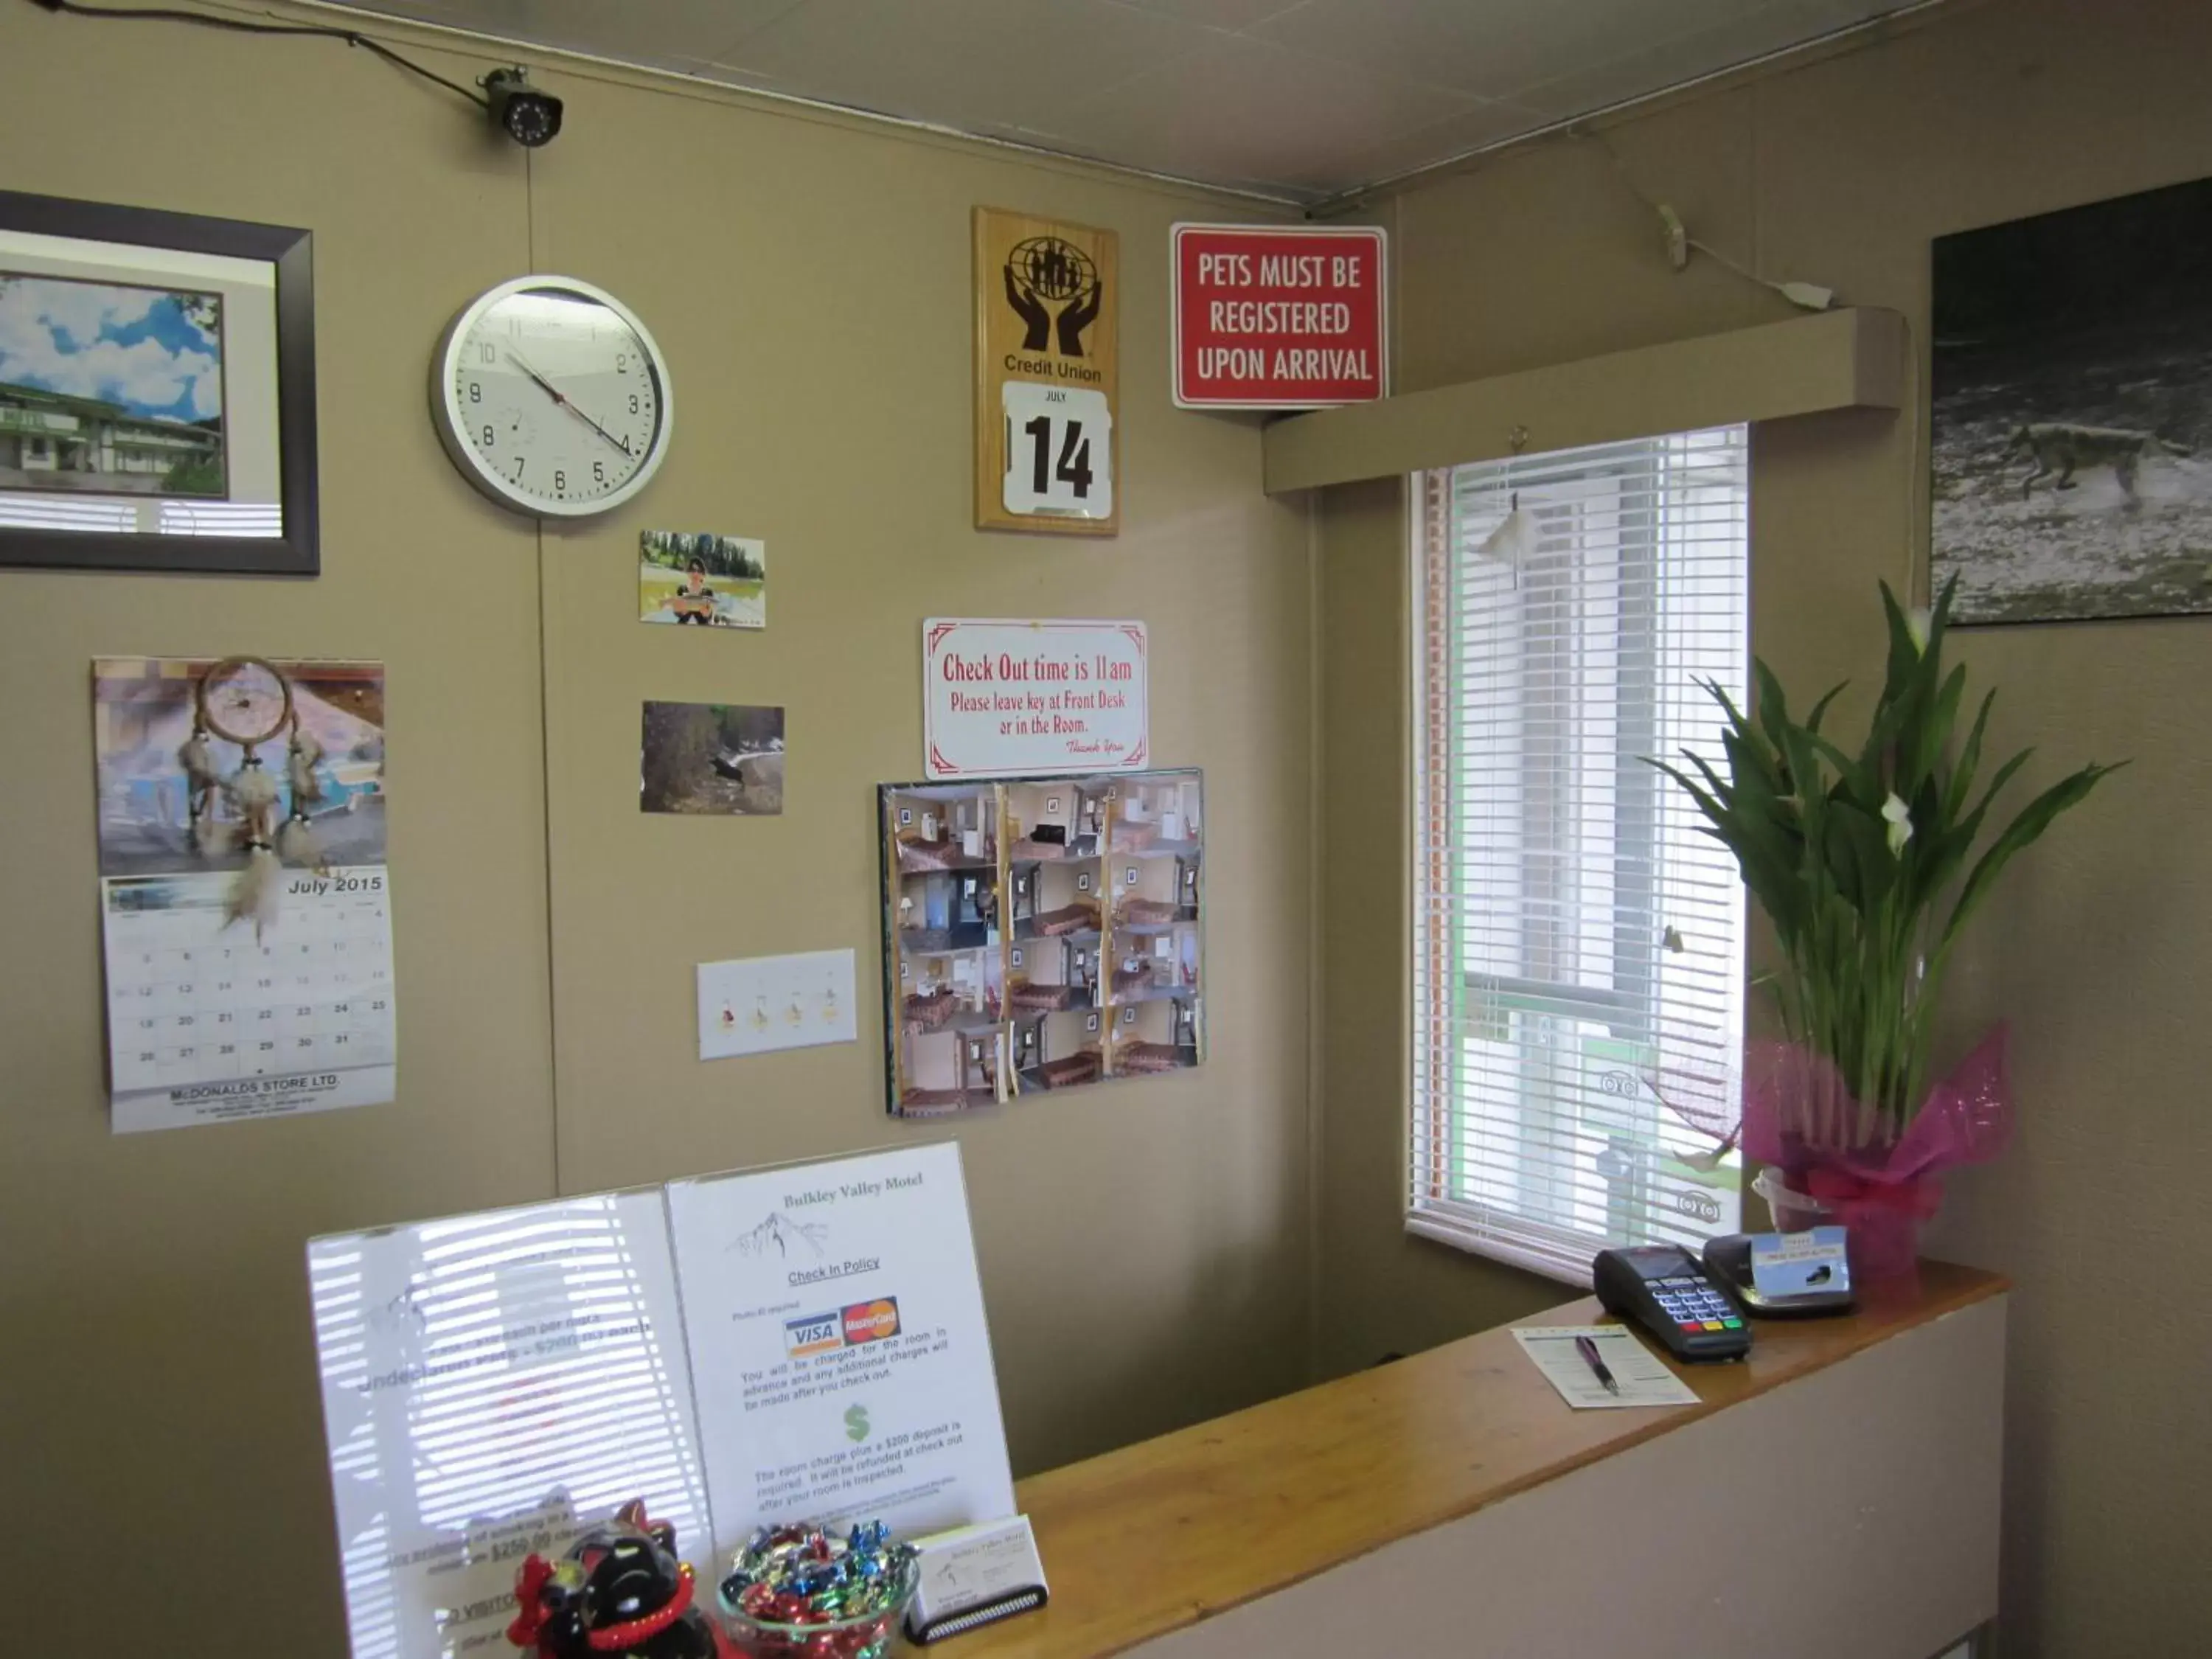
point(1040, 934)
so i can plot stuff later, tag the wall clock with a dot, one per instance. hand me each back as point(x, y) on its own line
point(551, 397)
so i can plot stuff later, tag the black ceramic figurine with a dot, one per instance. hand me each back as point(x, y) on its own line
point(620, 1592)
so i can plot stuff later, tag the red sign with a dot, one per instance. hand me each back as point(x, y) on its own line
point(1278, 317)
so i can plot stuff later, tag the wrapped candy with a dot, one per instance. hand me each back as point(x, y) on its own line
point(797, 1591)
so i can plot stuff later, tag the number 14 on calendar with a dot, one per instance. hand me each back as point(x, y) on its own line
point(1060, 450)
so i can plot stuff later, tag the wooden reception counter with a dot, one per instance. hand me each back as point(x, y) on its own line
point(1834, 1497)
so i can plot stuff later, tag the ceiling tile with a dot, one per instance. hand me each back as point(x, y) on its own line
point(1494, 47)
point(633, 31)
point(1231, 14)
point(1456, 135)
point(1243, 110)
point(973, 64)
point(1295, 97)
point(1773, 27)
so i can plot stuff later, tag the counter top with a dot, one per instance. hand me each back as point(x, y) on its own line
point(1157, 1536)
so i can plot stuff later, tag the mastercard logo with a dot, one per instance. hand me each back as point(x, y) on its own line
point(872, 1321)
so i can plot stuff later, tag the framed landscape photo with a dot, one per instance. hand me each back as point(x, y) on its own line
point(157, 391)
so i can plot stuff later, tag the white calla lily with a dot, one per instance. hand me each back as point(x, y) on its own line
point(1917, 623)
point(1899, 818)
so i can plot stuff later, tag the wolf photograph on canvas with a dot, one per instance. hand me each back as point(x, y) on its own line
point(2072, 397)
point(110, 387)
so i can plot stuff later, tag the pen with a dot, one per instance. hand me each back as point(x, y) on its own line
point(1587, 1350)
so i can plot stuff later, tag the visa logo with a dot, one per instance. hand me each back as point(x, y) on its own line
point(815, 1334)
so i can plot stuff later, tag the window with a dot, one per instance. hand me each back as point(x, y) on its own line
point(1577, 945)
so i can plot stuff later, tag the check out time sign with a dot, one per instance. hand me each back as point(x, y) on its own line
point(1278, 317)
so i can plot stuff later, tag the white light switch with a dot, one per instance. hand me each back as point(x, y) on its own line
point(754, 1004)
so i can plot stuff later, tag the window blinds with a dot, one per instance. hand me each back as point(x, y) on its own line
point(1578, 946)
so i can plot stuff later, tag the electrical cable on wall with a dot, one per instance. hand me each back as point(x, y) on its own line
point(1807, 296)
point(527, 116)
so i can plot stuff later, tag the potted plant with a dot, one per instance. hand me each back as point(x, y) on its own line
point(1865, 863)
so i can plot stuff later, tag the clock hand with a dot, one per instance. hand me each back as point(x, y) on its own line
point(556, 394)
point(618, 442)
point(544, 384)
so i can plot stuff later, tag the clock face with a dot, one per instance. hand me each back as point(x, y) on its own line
point(552, 397)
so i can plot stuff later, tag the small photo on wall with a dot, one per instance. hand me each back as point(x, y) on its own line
point(712, 758)
point(706, 580)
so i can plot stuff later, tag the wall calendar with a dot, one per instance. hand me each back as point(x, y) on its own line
point(244, 905)
point(1047, 381)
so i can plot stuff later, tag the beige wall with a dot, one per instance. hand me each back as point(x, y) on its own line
point(1839, 171)
point(1147, 1247)
point(1144, 1246)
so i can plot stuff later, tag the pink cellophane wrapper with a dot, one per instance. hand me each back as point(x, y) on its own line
point(1798, 1116)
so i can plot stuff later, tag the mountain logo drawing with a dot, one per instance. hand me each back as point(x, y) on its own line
point(778, 1233)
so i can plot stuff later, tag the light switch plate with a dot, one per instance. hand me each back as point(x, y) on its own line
point(756, 1004)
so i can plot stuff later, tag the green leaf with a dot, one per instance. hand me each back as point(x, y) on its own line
point(1860, 845)
point(1903, 656)
point(2020, 834)
point(1997, 783)
point(1722, 790)
point(1718, 693)
point(1773, 708)
point(1938, 856)
point(1925, 751)
point(1861, 786)
point(1763, 851)
point(1813, 719)
point(1706, 803)
point(1970, 759)
point(1749, 763)
point(1939, 617)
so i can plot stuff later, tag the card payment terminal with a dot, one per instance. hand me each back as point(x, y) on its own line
point(1669, 1294)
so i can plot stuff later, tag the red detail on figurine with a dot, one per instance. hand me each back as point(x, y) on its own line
point(619, 1590)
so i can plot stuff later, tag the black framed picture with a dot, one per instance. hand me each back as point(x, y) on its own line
point(2071, 437)
point(157, 391)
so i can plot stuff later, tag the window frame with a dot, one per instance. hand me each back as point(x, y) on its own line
point(1437, 1203)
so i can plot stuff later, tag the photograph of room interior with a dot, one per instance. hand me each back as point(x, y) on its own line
point(1619, 957)
point(1041, 934)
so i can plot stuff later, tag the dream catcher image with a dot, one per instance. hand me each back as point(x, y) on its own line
point(247, 701)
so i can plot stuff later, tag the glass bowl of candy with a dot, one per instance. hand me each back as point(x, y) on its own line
point(802, 1592)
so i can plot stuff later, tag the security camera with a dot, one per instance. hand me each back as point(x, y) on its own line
point(528, 117)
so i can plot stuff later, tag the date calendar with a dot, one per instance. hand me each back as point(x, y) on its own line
point(207, 1023)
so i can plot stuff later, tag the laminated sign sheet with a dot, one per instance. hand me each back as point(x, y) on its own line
point(806, 1344)
point(842, 1362)
point(493, 1385)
